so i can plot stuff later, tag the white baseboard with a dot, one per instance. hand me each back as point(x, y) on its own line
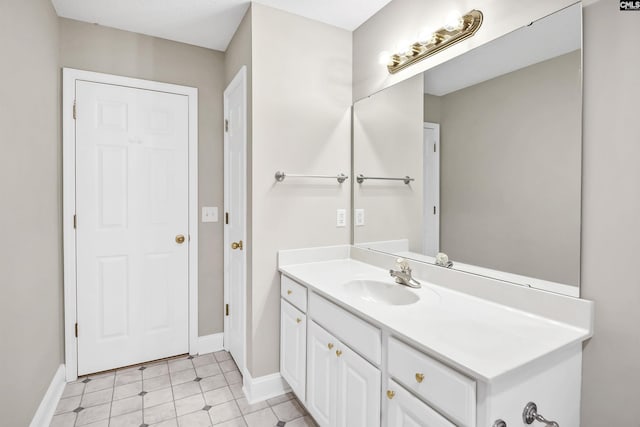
point(210, 343)
point(49, 402)
point(263, 388)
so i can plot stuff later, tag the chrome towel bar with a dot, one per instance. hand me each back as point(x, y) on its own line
point(280, 176)
point(361, 178)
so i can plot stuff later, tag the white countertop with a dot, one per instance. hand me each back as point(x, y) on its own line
point(479, 337)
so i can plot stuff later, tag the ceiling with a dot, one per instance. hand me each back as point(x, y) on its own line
point(207, 23)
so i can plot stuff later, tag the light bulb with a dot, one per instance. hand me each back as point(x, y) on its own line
point(384, 58)
point(425, 36)
point(454, 21)
point(404, 48)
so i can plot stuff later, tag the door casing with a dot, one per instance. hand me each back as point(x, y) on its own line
point(70, 76)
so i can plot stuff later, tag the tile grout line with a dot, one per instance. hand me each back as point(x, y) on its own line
point(173, 396)
point(142, 389)
point(113, 391)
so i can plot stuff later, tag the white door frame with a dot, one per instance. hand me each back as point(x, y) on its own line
point(431, 196)
point(70, 76)
point(240, 79)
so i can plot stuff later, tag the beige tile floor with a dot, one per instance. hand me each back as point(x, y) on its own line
point(186, 391)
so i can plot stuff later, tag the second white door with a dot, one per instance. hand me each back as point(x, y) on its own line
point(235, 139)
point(132, 196)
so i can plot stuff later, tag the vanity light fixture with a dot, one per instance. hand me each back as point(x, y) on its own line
point(456, 29)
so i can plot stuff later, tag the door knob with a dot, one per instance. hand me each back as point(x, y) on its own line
point(237, 245)
point(179, 239)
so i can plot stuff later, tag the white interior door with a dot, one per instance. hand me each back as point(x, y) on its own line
point(235, 244)
point(132, 196)
point(431, 171)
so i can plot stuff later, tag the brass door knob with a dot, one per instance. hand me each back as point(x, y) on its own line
point(237, 245)
point(289, 292)
point(298, 320)
point(391, 394)
point(338, 353)
point(179, 239)
point(330, 346)
point(419, 377)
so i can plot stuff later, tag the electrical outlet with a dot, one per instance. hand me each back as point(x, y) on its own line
point(341, 218)
point(359, 217)
point(209, 214)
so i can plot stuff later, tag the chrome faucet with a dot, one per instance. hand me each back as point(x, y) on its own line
point(403, 276)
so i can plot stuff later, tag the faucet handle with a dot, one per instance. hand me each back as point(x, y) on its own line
point(403, 264)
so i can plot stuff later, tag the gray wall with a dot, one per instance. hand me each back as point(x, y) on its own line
point(611, 215)
point(30, 189)
point(432, 108)
point(301, 124)
point(511, 170)
point(107, 50)
point(388, 142)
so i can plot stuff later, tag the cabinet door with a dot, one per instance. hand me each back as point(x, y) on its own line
point(293, 347)
point(322, 375)
point(405, 410)
point(358, 400)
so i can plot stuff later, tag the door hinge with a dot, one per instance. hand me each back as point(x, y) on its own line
point(76, 330)
point(75, 110)
point(226, 218)
point(226, 125)
point(226, 309)
point(434, 210)
point(75, 221)
point(434, 148)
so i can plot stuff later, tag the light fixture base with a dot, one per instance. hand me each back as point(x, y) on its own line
point(442, 39)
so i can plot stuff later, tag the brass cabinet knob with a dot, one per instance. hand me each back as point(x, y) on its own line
point(298, 320)
point(338, 353)
point(391, 394)
point(330, 346)
point(236, 245)
point(179, 239)
point(419, 377)
point(289, 291)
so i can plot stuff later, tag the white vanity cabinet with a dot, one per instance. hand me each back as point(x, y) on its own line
point(293, 336)
point(293, 347)
point(405, 410)
point(343, 388)
point(358, 364)
point(447, 390)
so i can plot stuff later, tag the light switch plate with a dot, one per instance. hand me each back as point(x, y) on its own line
point(209, 214)
point(341, 218)
point(359, 220)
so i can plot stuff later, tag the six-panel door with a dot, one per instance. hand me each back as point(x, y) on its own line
point(132, 225)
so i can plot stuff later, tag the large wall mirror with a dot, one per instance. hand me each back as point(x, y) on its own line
point(480, 158)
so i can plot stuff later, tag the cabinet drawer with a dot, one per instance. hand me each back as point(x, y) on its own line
point(352, 331)
point(450, 392)
point(405, 410)
point(293, 292)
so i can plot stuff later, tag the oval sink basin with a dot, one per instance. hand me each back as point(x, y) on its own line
point(381, 292)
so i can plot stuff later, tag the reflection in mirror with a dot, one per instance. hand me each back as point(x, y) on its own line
point(493, 140)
